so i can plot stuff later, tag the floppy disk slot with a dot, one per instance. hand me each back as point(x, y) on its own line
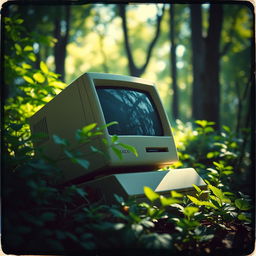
point(156, 149)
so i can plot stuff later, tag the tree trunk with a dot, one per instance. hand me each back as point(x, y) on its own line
point(197, 60)
point(206, 61)
point(133, 69)
point(211, 84)
point(175, 98)
point(62, 39)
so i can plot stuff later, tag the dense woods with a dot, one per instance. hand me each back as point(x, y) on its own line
point(200, 57)
point(184, 49)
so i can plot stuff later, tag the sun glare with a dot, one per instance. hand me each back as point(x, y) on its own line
point(146, 11)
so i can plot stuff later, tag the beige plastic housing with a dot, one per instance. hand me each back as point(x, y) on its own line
point(131, 185)
point(77, 106)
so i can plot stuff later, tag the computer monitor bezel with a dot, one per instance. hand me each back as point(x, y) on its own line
point(118, 81)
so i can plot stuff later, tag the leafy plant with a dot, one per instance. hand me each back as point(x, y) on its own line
point(216, 155)
point(85, 135)
point(41, 217)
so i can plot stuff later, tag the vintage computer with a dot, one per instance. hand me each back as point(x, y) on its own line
point(141, 122)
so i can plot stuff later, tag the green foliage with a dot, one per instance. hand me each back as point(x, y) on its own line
point(196, 220)
point(27, 88)
point(85, 135)
point(150, 194)
point(216, 155)
point(41, 217)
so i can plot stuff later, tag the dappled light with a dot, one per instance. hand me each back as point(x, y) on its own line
point(200, 59)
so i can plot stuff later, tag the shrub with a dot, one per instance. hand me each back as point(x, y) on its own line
point(219, 156)
point(40, 217)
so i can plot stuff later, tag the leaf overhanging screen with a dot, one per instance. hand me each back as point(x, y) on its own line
point(134, 111)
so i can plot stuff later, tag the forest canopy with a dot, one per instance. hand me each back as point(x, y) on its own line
point(202, 68)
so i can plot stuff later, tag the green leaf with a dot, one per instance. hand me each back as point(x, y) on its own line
point(189, 211)
point(88, 128)
point(176, 194)
point(114, 138)
point(28, 79)
point(84, 163)
point(137, 228)
point(130, 148)
point(156, 241)
point(26, 66)
point(72, 236)
point(107, 125)
point(209, 129)
point(105, 141)
point(227, 172)
point(119, 199)
point(32, 56)
point(19, 21)
point(202, 123)
point(144, 205)
point(199, 191)
point(117, 214)
point(59, 140)
point(152, 212)
point(69, 155)
point(118, 226)
point(57, 84)
point(28, 48)
point(211, 154)
point(216, 201)
point(168, 201)
point(80, 192)
point(147, 223)
point(95, 150)
point(201, 203)
point(217, 192)
point(243, 217)
point(135, 217)
point(213, 171)
point(111, 123)
point(43, 67)
point(118, 153)
point(226, 128)
point(39, 77)
point(242, 204)
point(18, 48)
point(150, 194)
point(194, 200)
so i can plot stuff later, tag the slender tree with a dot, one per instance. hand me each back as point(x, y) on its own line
point(61, 33)
point(197, 59)
point(206, 63)
point(133, 68)
point(175, 99)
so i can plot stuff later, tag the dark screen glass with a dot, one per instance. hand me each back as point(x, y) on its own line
point(133, 110)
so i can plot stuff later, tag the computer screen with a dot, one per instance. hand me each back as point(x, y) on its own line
point(133, 109)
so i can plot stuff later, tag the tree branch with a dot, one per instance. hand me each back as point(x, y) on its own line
point(153, 42)
point(134, 70)
point(122, 13)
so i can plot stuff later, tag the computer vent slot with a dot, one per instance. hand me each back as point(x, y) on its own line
point(40, 131)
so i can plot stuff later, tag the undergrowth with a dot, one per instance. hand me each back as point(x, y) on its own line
point(39, 217)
